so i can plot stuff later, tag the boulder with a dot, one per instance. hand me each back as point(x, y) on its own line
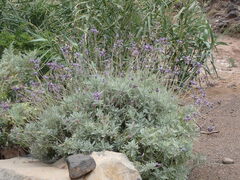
point(23, 168)
point(112, 166)
point(109, 166)
point(80, 165)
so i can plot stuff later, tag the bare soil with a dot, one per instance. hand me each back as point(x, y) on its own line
point(224, 116)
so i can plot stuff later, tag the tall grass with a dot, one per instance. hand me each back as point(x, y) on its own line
point(162, 35)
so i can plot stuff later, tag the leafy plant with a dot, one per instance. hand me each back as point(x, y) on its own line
point(101, 31)
point(132, 114)
point(16, 71)
point(17, 114)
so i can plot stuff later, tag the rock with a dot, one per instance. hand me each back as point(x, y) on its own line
point(23, 168)
point(227, 161)
point(80, 165)
point(232, 14)
point(61, 164)
point(109, 166)
point(222, 24)
point(8, 153)
point(112, 166)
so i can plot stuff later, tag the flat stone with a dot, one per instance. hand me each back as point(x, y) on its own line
point(227, 161)
point(61, 164)
point(22, 168)
point(112, 166)
point(79, 165)
point(109, 166)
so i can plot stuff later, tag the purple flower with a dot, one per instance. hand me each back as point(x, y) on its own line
point(45, 77)
point(54, 87)
point(55, 66)
point(65, 77)
point(176, 72)
point(179, 41)
point(135, 52)
point(35, 61)
point(187, 59)
point(77, 54)
point(75, 65)
point(198, 64)
point(193, 83)
point(188, 118)
point(97, 95)
point(162, 40)
point(34, 84)
point(198, 101)
point(35, 73)
point(102, 53)
point(158, 165)
point(210, 128)
point(161, 69)
point(16, 88)
point(148, 47)
point(168, 70)
point(65, 50)
point(94, 31)
point(118, 44)
point(5, 106)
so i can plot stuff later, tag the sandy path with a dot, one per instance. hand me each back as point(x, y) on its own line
point(225, 116)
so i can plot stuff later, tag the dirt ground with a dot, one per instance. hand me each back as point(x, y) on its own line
point(225, 117)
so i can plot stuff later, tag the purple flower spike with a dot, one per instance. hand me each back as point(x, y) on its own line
point(97, 95)
point(55, 66)
point(54, 87)
point(35, 61)
point(5, 106)
point(77, 54)
point(94, 31)
point(75, 65)
point(188, 118)
point(162, 40)
point(148, 47)
point(135, 52)
point(193, 83)
point(45, 77)
point(210, 128)
point(65, 50)
point(16, 88)
point(158, 165)
point(102, 53)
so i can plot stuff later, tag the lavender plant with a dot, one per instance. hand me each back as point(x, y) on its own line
point(133, 114)
point(119, 34)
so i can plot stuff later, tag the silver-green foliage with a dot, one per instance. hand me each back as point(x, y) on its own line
point(16, 70)
point(131, 114)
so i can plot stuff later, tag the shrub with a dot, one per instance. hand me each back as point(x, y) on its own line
point(12, 115)
point(133, 114)
point(17, 70)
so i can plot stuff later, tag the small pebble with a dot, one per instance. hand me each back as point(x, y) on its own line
point(227, 161)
